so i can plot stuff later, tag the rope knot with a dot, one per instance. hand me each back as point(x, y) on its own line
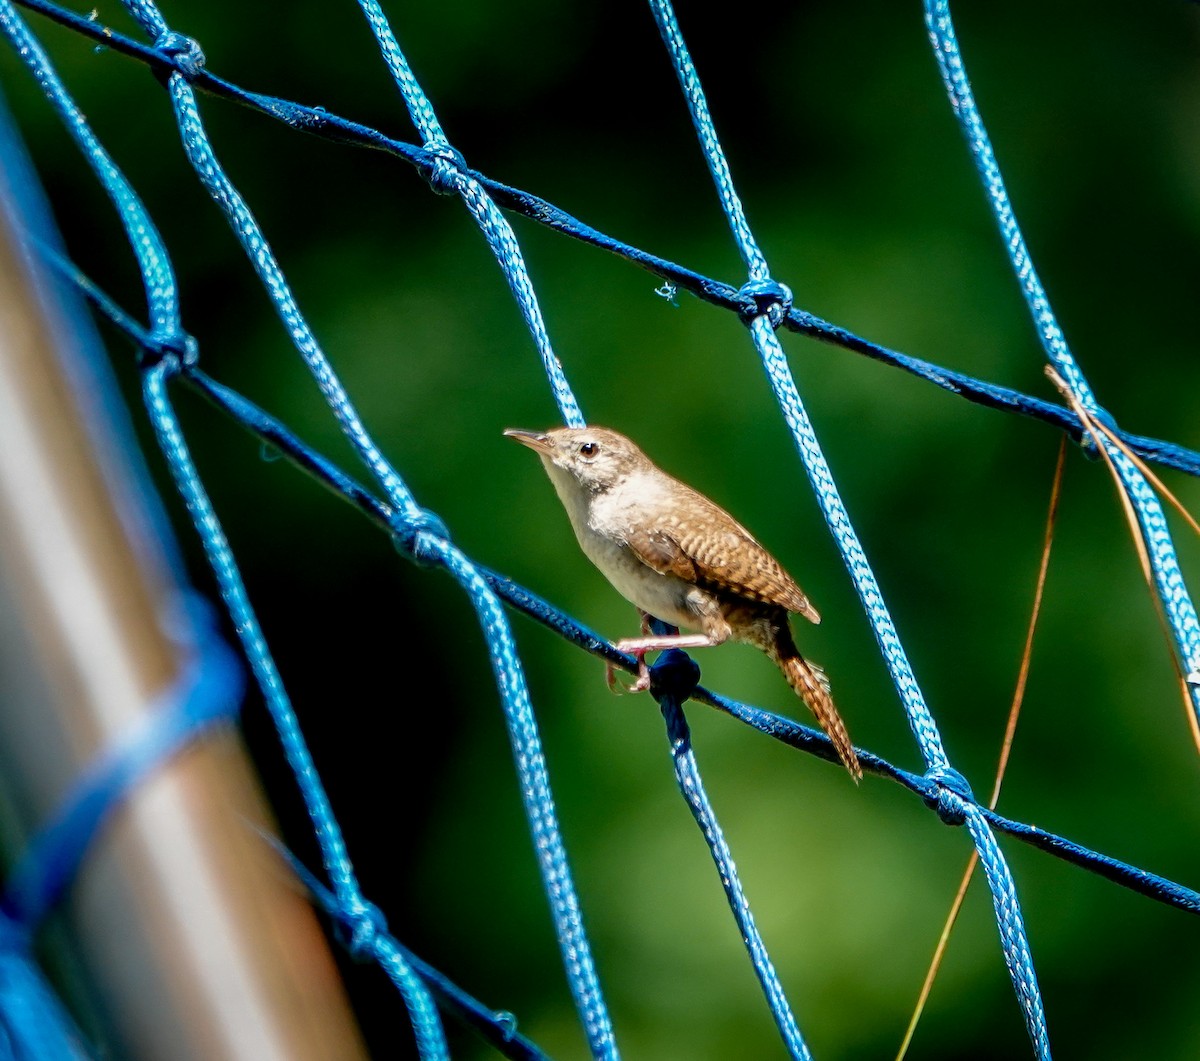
point(1086, 442)
point(363, 926)
point(952, 796)
point(183, 50)
point(767, 298)
point(445, 173)
point(420, 534)
point(674, 674)
point(175, 352)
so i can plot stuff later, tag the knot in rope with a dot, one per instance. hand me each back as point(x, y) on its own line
point(183, 50)
point(419, 533)
point(951, 796)
point(767, 298)
point(445, 173)
point(366, 923)
point(175, 352)
point(674, 674)
point(1086, 442)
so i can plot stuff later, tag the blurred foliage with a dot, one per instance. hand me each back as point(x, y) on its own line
point(858, 184)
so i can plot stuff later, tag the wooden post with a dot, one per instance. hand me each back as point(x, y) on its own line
point(194, 943)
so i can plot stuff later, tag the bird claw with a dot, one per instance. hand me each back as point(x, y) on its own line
point(639, 685)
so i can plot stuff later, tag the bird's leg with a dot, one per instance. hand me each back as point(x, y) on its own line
point(716, 632)
point(643, 678)
point(640, 645)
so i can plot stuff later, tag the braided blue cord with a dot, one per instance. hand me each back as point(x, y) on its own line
point(714, 157)
point(450, 175)
point(1168, 578)
point(539, 803)
point(938, 794)
point(776, 301)
point(233, 593)
point(161, 291)
point(420, 110)
point(780, 374)
point(687, 773)
point(331, 126)
point(200, 154)
point(411, 522)
point(152, 258)
point(371, 940)
point(772, 302)
point(412, 527)
point(208, 691)
point(955, 805)
point(497, 1026)
point(1013, 938)
point(423, 1014)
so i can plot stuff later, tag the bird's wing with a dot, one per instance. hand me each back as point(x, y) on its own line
point(723, 556)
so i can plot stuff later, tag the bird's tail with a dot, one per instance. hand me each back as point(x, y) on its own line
point(812, 686)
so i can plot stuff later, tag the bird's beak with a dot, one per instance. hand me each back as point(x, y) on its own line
point(535, 440)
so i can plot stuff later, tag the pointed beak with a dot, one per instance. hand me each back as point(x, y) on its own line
point(535, 440)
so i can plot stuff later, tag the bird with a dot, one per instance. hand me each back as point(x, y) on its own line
point(681, 558)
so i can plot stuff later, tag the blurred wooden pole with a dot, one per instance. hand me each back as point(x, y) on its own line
point(199, 944)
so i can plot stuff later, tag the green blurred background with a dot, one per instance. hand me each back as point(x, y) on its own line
point(859, 186)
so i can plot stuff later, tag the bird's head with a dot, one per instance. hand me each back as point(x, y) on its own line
point(596, 458)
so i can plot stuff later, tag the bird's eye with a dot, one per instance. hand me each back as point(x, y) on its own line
point(589, 449)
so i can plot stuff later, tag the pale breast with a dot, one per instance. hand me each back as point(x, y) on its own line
point(663, 596)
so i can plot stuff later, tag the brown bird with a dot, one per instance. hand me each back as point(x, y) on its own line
point(678, 556)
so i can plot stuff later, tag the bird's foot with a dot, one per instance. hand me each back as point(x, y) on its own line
point(639, 685)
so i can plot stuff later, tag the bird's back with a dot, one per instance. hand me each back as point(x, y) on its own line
point(724, 555)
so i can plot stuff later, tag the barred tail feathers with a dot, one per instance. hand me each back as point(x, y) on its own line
point(811, 684)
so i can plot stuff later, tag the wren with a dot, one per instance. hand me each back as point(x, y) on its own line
point(681, 558)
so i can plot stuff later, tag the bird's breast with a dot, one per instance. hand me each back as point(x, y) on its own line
point(664, 596)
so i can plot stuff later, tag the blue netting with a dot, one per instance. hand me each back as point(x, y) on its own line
point(169, 355)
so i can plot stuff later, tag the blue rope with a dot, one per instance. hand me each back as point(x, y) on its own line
point(763, 303)
point(778, 727)
point(412, 525)
point(153, 261)
point(786, 730)
point(1168, 579)
point(425, 548)
point(209, 691)
point(675, 675)
point(498, 1027)
point(34, 1026)
point(769, 302)
point(323, 123)
point(336, 859)
point(212, 176)
point(451, 176)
